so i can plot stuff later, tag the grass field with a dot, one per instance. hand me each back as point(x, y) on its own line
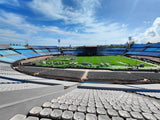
point(111, 62)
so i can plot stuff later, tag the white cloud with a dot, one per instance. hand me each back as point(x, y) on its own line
point(9, 36)
point(85, 15)
point(93, 32)
point(52, 9)
point(151, 34)
point(10, 2)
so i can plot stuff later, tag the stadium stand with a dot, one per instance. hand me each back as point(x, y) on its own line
point(86, 103)
point(25, 51)
point(7, 52)
point(18, 47)
point(55, 73)
point(111, 51)
point(98, 51)
point(113, 76)
point(90, 104)
point(11, 53)
point(6, 59)
point(6, 72)
point(150, 49)
point(53, 49)
point(150, 94)
point(25, 97)
point(38, 47)
point(90, 75)
point(50, 50)
point(72, 51)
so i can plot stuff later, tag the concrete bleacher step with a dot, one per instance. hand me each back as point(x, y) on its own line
point(56, 114)
point(18, 117)
point(67, 115)
point(119, 103)
point(32, 118)
point(35, 111)
point(37, 98)
point(79, 116)
point(45, 112)
point(18, 95)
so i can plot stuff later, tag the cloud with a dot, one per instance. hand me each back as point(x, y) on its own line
point(87, 30)
point(91, 29)
point(10, 2)
point(9, 36)
point(151, 34)
point(51, 9)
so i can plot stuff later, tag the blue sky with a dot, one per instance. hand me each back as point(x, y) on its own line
point(79, 22)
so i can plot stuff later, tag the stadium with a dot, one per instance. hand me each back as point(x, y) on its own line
point(47, 78)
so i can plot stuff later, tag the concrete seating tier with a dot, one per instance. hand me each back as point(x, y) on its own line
point(64, 73)
point(95, 104)
point(60, 73)
point(31, 69)
point(123, 76)
point(14, 80)
point(150, 76)
point(150, 94)
point(12, 87)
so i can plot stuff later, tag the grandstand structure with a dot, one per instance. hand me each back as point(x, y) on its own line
point(94, 50)
point(111, 51)
point(28, 97)
point(12, 53)
point(71, 51)
point(149, 51)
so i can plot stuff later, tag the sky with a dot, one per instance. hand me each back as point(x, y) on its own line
point(79, 22)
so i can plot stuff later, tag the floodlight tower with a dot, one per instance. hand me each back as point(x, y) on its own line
point(26, 42)
point(59, 43)
point(129, 40)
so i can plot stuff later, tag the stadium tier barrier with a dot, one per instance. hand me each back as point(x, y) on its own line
point(53, 73)
point(93, 75)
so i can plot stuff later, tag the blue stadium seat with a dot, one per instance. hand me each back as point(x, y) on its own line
point(139, 45)
point(150, 49)
point(25, 51)
point(1, 48)
point(31, 55)
point(53, 50)
point(7, 52)
point(54, 47)
point(18, 47)
point(112, 51)
point(38, 47)
point(6, 59)
point(44, 50)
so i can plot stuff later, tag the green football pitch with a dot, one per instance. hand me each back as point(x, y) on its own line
point(110, 62)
